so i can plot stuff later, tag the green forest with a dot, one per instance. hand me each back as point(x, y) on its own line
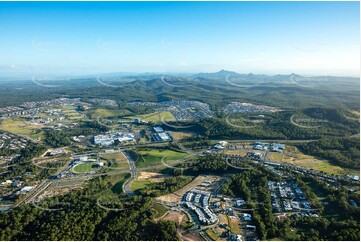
point(76, 216)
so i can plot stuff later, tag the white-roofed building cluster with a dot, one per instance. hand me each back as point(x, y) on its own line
point(198, 201)
point(159, 135)
point(108, 139)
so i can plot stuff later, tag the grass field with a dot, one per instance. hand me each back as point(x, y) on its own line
point(160, 209)
point(118, 161)
point(288, 236)
point(25, 127)
point(139, 184)
point(153, 156)
point(71, 113)
point(116, 186)
point(85, 167)
point(146, 178)
point(275, 156)
point(318, 165)
point(155, 117)
point(20, 126)
point(210, 232)
point(312, 162)
point(103, 112)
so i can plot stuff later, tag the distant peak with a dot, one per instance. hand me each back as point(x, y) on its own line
point(225, 72)
point(294, 74)
point(222, 73)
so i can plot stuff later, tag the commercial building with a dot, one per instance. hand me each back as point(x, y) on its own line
point(159, 135)
point(275, 147)
point(158, 129)
point(108, 139)
point(162, 137)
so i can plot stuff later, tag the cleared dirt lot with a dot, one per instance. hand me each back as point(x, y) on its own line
point(174, 216)
point(192, 184)
point(236, 152)
point(170, 198)
point(181, 135)
point(222, 218)
point(176, 196)
point(151, 176)
point(181, 218)
point(56, 191)
point(191, 237)
point(235, 225)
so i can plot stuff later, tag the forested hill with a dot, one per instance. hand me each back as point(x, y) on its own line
point(76, 216)
point(283, 91)
point(344, 152)
point(333, 123)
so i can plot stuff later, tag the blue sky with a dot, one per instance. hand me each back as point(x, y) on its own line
point(310, 38)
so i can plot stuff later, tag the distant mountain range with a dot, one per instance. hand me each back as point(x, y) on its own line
point(221, 76)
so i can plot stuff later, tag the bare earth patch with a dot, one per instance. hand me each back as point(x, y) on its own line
point(189, 186)
point(191, 237)
point(236, 152)
point(55, 192)
point(176, 196)
point(181, 135)
point(222, 218)
point(48, 160)
point(235, 225)
point(174, 216)
point(151, 176)
point(169, 198)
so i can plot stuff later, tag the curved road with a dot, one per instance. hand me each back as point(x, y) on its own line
point(133, 173)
